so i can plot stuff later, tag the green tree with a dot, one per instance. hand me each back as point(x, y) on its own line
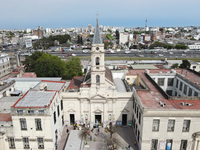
point(185, 64)
point(117, 34)
point(78, 40)
point(73, 68)
point(147, 32)
point(49, 66)
point(81, 40)
point(30, 61)
point(180, 46)
point(109, 36)
point(175, 66)
point(106, 44)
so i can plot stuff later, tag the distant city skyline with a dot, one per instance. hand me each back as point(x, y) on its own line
point(22, 14)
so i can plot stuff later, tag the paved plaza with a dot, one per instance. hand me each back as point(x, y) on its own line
point(124, 135)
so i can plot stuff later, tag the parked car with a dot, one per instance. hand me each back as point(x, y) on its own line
point(63, 52)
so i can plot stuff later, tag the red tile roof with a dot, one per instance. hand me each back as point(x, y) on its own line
point(150, 99)
point(29, 75)
point(5, 117)
point(76, 82)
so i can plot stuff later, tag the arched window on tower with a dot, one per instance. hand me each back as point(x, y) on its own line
point(97, 61)
point(97, 79)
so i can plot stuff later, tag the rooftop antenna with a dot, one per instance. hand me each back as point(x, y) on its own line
point(145, 25)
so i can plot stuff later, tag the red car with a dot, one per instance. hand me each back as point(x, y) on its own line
point(63, 52)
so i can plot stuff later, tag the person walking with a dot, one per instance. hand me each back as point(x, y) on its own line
point(67, 130)
point(129, 147)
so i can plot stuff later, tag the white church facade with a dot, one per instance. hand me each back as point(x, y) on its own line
point(99, 97)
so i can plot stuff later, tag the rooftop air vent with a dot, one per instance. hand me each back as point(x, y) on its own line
point(162, 104)
point(182, 103)
point(160, 71)
point(188, 104)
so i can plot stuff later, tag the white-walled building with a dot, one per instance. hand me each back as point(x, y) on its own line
point(36, 120)
point(166, 108)
point(5, 67)
point(123, 37)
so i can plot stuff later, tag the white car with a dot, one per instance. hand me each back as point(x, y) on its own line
point(118, 50)
point(85, 51)
point(127, 52)
point(73, 54)
point(112, 51)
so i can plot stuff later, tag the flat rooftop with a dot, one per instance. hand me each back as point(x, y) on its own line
point(5, 105)
point(35, 99)
point(7, 102)
point(51, 85)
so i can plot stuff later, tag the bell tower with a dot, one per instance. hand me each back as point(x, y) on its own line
point(97, 61)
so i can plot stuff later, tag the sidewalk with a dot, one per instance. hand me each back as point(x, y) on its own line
point(64, 137)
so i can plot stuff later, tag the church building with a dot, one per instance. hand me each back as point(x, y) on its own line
point(99, 97)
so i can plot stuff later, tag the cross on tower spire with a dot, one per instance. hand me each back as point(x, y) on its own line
point(97, 15)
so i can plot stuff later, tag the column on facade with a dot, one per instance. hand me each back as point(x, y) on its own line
point(114, 105)
point(81, 110)
point(104, 114)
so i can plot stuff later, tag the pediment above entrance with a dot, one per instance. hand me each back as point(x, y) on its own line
point(97, 111)
point(98, 96)
point(71, 110)
point(125, 110)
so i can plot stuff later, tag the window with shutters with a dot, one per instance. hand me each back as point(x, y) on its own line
point(161, 81)
point(40, 143)
point(26, 143)
point(195, 93)
point(186, 125)
point(23, 124)
point(154, 144)
point(139, 118)
point(176, 83)
point(183, 145)
point(185, 89)
point(62, 120)
point(181, 85)
point(11, 142)
point(61, 104)
point(38, 124)
point(170, 81)
point(58, 110)
point(171, 124)
point(190, 92)
point(155, 126)
point(54, 116)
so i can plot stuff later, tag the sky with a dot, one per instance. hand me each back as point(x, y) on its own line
point(23, 14)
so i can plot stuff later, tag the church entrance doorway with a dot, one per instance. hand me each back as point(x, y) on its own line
point(124, 119)
point(72, 119)
point(98, 120)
